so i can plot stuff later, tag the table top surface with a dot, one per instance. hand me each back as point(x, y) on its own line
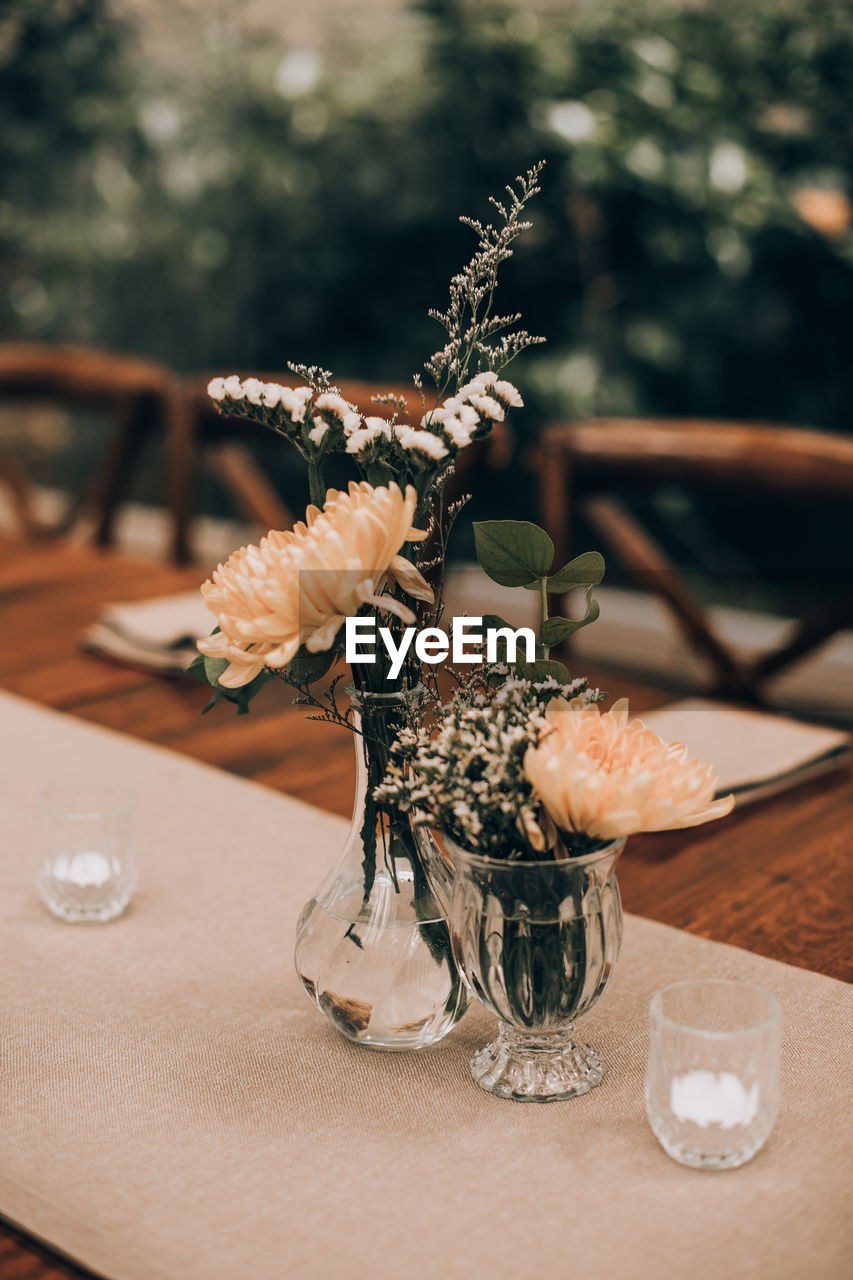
point(773, 878)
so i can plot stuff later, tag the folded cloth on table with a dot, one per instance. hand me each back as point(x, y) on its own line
point(755, 754)
point(160, 633)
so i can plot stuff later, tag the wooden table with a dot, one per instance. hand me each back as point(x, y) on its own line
point(774, 878)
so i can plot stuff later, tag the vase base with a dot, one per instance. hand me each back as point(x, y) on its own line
point(536, 1068)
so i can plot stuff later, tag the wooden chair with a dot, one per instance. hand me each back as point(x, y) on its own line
point(588, 464)
point(139, 395)
point(201, 433)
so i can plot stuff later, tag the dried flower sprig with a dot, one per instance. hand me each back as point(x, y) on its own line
point(467, 775)
point(470, 325)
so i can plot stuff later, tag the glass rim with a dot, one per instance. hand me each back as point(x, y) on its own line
point(485, 863)
point(100, 800)
point(380, 696)
point(773, 1018)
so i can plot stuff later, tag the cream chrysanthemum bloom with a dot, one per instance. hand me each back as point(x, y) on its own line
point(599, 773)
point(299, 587)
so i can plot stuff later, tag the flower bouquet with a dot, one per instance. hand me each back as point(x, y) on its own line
point(533, 788)
point(373, 946)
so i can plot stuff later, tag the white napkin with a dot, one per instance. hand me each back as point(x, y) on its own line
point(754, 753)
point(160, 633)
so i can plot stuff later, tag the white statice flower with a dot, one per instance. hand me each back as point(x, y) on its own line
point(488, 383)
point(216, 389)
point(487, 406)
point(271, 395)
point(379, 426)
point(253, 390)
point(233, 387)
point(424, 443)
point(317, 432)
point(458, 432)
point(351, 422)
point(508, 395)
point(373, 429)
point(453, 422)
point(331, 402)
point(294, 401)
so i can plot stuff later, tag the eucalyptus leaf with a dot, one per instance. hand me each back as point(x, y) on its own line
point(542, 669)
point(494, 621)
point(582, 571)
point(555, 630)
point(514, 553)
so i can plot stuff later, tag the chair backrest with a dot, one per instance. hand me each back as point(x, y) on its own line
point(587, 464)
point(137, 394)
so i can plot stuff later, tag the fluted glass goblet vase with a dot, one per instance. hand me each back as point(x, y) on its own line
point(536, 942)
point(373, 945)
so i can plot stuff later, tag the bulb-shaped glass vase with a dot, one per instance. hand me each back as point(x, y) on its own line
point(373, 945)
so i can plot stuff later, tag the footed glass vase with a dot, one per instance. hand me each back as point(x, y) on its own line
point(373, 945)
point(536, 942)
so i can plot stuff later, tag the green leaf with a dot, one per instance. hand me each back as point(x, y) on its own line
point(513, 553)
point(583, 570)
point(213, 669)
point(493, 622)
point(380, 474)
point(542, 669)
point(305, 667)
point(557, 629)
point(244, 695)
point(196, 669)
point(208, 671)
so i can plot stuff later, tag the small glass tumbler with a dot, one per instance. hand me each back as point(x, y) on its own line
point(712, 1081)
point(87, 868)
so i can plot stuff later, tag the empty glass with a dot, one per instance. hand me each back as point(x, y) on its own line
point(712, 1082)
point(87, 869)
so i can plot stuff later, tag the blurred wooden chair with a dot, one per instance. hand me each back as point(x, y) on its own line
point(138, 395)
point(586, 465)
point(201, 434)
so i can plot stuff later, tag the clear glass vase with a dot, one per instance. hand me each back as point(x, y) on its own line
point(536, 942)
point(373, 945)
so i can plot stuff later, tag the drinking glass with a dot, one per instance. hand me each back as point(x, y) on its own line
point(87, 868)
point(712, 1081)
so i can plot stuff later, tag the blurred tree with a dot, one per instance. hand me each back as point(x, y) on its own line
point(692, 250)
point(64, 104)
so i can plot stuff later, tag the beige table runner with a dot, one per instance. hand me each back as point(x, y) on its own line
point(174, 1107)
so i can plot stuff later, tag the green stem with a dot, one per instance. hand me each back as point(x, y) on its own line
point(543, 598)
point(316, 486)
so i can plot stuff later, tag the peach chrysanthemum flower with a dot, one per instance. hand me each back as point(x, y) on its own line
point(599, 773)
point(299, 587)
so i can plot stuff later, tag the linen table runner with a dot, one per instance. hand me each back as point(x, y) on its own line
point(174, 1108)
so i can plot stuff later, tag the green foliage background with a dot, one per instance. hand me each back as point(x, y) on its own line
point(243, 213)
point(260, 205)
